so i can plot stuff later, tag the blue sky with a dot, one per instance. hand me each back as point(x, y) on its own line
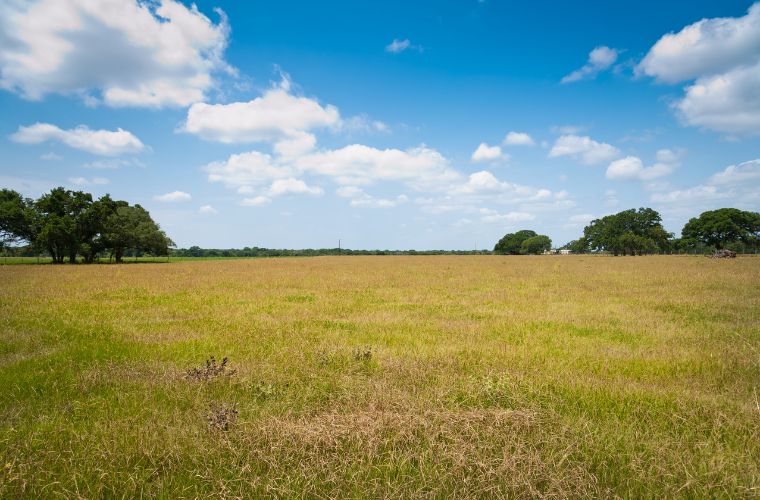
point(385, 124)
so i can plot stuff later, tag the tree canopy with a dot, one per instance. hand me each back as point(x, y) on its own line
point(68, 223)
point(720, 227)
point(522, 242)
point(630, 232)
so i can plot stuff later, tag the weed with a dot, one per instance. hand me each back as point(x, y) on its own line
point(210, 371)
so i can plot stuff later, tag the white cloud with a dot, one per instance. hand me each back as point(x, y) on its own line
point(278, 115)
point(246, 169)
point(491, 216)
point(113, 163)
point(486, 153)
point(293, 186)
point(125, 52)
point(363, 200)
point(174, 196)
point(51, 157)
point(359, 164)
point(256, 202)
point(519, 139)
point(82, 181)
point(747, 172)
point(397, 46)
point(738, 185)
point(98, 142)
point(722, 57)
point(587, 150)
point(599, 59)
point(697, 193)
point(363, 124)
point(729, 102)
point(709, 46)
point(207, 209)
point(632, 168)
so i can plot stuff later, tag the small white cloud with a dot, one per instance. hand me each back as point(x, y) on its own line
point(632, 168)
point(207, 209)
point(599, 59)
point(397, 46)
point(491, 216)
point(363, 200)
point(51, 157)
point(98, 142)
point(113, 164)
point(82, 181)
point(293, 186)
point(519, 139)
point(174, 196)
point(584, 148)
point(486, 153)
point(256, 202)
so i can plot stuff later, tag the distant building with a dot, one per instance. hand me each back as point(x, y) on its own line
point(565, 251)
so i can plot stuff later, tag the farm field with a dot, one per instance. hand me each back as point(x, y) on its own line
point(445, 376)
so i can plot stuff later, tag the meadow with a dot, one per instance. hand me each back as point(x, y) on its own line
point(450, 376)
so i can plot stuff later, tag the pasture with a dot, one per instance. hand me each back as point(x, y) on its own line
point(382, 377)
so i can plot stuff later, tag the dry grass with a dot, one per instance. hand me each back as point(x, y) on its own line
point(382, 377)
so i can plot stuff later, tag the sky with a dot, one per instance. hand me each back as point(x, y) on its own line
point(387, 125)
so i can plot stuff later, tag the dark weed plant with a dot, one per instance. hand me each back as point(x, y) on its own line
point(211, 370)
point(221, 416)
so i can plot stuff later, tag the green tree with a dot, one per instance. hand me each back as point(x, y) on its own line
point(536, 245)
point(131, 227)
point(17, 218)
point(630, 232)
point(61, 222)
point(511, 243)
point(720, 227)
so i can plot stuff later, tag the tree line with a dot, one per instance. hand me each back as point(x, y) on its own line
point(638, 232)
point(70, 224)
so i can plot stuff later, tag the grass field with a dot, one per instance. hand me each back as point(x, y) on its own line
point(383, 377)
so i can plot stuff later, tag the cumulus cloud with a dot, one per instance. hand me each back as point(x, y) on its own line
point(518, 139)
point(722, 57)
point(360, 164)
point(738, 183)
point(98, 142)
point(397, 46)
point(173, 197)
point(486, 153)
point(632, 168)
point(123, 52)
point(359, 198)
point(744, 173)
point(583, 148)
point(207, 209)
point(599, 59)
point(278, 115)
point(246, 169)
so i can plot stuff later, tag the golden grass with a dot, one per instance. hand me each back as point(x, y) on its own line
point(383, 376)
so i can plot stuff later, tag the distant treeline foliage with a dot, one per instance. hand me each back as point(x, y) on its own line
point(67, 224)
point(638, 232)
point(308, 252)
